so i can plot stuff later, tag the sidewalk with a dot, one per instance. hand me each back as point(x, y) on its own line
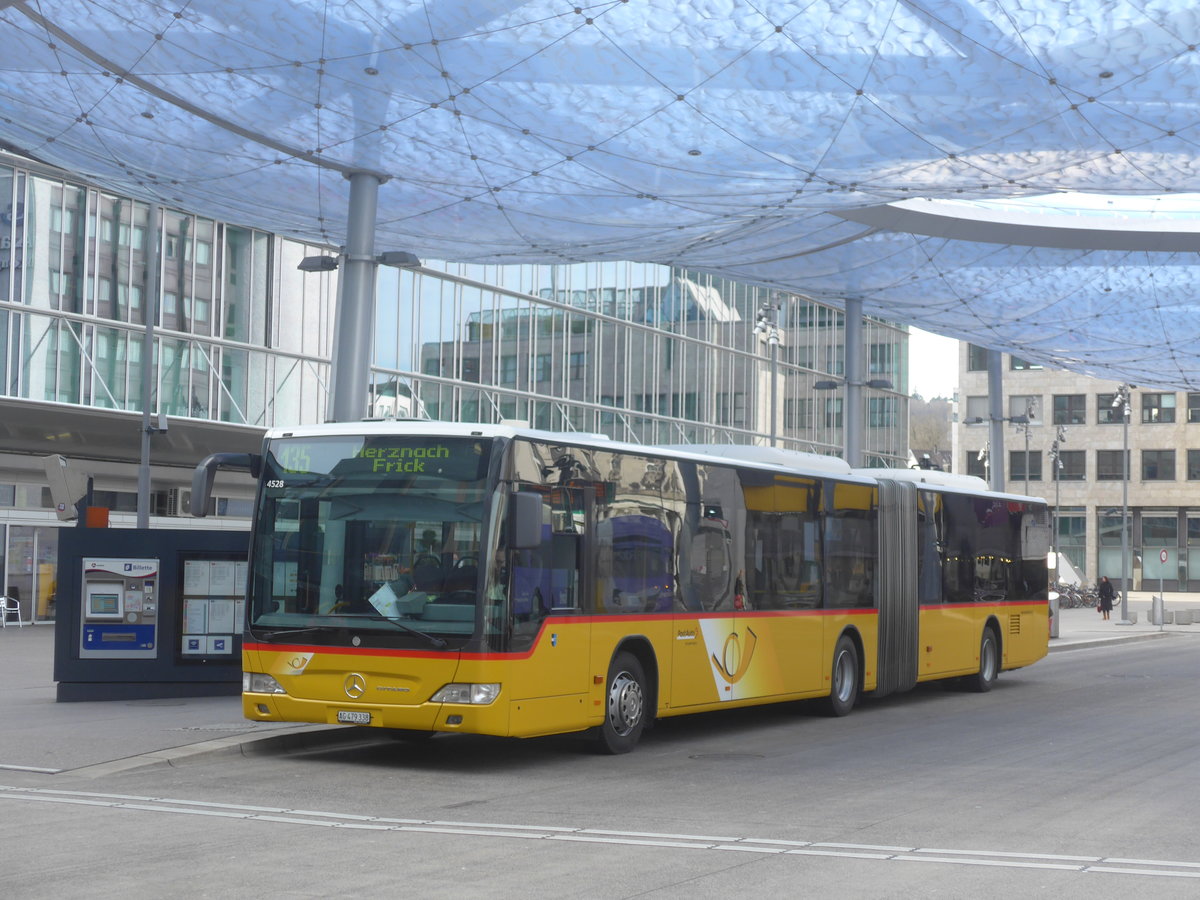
point(91, 739)
point(1083, 627)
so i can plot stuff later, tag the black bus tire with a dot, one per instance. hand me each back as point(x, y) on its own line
point(843, 679)
point(989, 663)
point(624, 705)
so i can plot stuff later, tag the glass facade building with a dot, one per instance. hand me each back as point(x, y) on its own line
point(241, 340)
point(638, 352)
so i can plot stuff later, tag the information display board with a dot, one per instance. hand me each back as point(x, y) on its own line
point(214, 598)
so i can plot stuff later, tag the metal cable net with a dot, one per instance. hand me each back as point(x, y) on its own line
point(733, 137)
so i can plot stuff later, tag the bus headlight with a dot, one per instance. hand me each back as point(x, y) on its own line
point(478, 694)
point(258, 683)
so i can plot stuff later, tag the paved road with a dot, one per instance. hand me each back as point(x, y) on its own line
point(1072, 777)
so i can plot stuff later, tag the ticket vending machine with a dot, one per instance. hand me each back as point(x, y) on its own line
point(119, 617)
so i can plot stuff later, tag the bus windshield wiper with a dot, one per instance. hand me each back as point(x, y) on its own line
point(288, 632)
point(434, 641)
point(273, 636)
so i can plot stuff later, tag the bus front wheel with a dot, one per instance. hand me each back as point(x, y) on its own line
point(843, 678)
point(625, 705)
point(989, 663)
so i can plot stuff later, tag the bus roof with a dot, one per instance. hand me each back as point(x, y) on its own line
point(754, 456)
point(971, 484)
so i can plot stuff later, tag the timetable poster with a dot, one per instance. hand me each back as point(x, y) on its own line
point(214, 593)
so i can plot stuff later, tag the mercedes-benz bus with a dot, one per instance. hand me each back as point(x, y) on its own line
point(434, 577)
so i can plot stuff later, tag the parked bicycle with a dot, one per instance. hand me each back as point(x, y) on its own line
point(1072, 596)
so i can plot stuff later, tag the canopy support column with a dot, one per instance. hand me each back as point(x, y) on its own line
point(854, 382)
point(354, 326)
point(996, 419)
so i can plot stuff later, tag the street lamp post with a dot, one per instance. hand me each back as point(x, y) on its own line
point(152, 291)
point(1056, 467)
point(768, 326)
point(1026, 421)
point(1030, 408)
point(1121, 401)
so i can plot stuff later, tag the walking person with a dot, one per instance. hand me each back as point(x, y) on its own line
point(1106, 596)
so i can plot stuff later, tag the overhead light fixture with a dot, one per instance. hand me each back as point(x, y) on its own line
point(318, 264)
point(399, 259)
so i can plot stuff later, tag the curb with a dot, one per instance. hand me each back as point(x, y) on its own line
point(302, 737)
point(1088, 643)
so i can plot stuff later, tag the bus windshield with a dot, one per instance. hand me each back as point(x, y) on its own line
point(370, 532)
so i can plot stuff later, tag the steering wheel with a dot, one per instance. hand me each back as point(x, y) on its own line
point(463, 561)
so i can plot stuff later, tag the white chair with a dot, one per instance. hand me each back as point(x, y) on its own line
point(10, 605)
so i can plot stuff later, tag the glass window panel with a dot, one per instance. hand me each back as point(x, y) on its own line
point(1160, 531)
point(1193, 465)
point(1193, 406)
point(1017, 464)
point(1072, 465)
point(1158, 408)
point(1109, 465)
point(1025, 405)
point(1106, 413)
point(1070, 409)
point(1158, 465)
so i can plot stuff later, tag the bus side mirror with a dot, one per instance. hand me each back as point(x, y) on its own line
point(206, 473)
point(524, 520)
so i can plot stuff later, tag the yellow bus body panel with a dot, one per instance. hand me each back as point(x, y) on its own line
point(759, 657)
point(950, 637)
point(700, 663)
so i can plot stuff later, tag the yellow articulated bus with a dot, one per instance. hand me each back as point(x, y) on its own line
point(433, 577)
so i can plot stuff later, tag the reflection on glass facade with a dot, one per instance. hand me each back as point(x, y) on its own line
point(636, 351)
point(640, 352)
point(233, 342)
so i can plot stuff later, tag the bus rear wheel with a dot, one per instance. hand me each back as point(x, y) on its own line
point(989, 663)
point(625, 705)
point(843, 679)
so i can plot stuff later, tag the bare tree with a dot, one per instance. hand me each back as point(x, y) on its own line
point(928, 424)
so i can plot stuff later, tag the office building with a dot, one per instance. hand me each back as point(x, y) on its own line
point(1084, 415)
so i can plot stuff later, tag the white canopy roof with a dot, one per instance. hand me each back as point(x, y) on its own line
point(761, 140)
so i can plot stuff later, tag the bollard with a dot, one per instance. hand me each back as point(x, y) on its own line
point(1156, 611)
point(1054, 614)
point(1183, 617)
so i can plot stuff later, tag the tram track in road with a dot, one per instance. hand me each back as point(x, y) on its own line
point(278, 815)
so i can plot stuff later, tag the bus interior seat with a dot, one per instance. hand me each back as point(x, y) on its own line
point(427, 575)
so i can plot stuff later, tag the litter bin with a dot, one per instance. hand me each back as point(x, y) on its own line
point(1054, 614)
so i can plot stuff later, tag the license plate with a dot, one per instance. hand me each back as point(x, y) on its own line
point(353, 717)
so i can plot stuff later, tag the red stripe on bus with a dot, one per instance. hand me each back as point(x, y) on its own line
point(546, 624)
